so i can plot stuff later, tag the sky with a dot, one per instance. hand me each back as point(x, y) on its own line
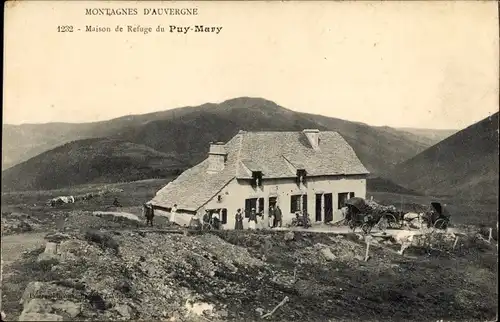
point(401, 64)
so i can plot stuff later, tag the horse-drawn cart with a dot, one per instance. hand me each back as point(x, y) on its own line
point(367, 214)
point(438, 216)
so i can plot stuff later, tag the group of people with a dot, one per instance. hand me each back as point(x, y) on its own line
point(275, 218)
point(213, 218)
point(209, 219)
point(149, 214)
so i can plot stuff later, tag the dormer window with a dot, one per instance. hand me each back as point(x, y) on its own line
point(256, 178)
point(301, 176)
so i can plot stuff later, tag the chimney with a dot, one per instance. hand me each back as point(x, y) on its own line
point(216, 157)
point(313, 137)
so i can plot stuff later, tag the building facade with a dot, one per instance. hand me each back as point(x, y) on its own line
point(308, 170)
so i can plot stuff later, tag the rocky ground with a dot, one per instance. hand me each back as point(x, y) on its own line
point(124, 272)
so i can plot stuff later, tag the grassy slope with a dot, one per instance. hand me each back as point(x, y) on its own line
point(465, 164)
point(89, 161)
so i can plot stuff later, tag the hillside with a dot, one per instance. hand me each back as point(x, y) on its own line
point(432, 136)
point(89, 161)
point(465, 164)
point(186, 132)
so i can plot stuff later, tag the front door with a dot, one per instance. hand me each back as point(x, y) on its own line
point(328, 207)
point(318, 207)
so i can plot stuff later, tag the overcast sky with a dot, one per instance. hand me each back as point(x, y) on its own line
point(408, 64)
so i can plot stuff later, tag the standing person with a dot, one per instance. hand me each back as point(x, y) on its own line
point(216, 220)
point(345, 213)
point(239, 220)
point(195, 222)
point(305, 218)
point(278, 216)
point(271, 216)
point(149, 214)
point(173, 212)
point(252, 220)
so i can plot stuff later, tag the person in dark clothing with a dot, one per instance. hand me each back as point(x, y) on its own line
point(305, 219)
point(206, 218)
point(252, 219)
point(216, 220)
point(149, 214)
point(116, 203)
point(239, 220)
point(272, 209)
point(277, 217)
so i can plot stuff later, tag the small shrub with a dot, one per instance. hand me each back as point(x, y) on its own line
point(45, 265)
point(104, 240)
point(97, 301)
point(34, 252)
point(71, 284)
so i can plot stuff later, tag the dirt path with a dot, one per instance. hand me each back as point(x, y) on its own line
point(14, 245)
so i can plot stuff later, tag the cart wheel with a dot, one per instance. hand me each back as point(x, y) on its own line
point(366, 228)
point(441, 224)
point(351, 225)
point(383, 225)
point(392, 222)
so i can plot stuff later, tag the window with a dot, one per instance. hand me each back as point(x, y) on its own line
point(252, 203)
point(351, 195)
point(223, 216)
point(343, 196)
point(249, 204)
point(256, 178)
point(295, 203)
point(301, 176)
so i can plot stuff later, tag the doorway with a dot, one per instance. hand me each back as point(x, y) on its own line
point(272, 202)
point(328, 207)
point(318, 207)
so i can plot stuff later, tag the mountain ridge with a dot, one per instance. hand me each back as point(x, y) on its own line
point(464, 164)
point(95, 160)
point(182, 135)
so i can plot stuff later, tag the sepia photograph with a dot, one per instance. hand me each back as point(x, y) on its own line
point(250, 161)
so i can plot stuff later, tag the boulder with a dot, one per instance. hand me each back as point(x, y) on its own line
point(124, 310)
point(49, 253)
point(30, 292)
point(289, 236)
point(37, 306)
point(71, 308)
point(327, 253)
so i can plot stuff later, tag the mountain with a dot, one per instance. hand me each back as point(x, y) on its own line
point(89, 161)
point(185, 132)
point(432, 136)
point(465, 164)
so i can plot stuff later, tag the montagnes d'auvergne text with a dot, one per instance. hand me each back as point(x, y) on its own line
point(144, 11)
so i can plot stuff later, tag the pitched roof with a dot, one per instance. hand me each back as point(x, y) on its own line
point(275, 154)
